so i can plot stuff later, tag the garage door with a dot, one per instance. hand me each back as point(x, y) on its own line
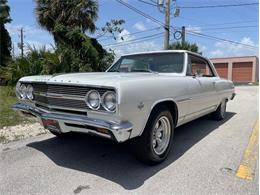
point(242, 72)
point(222, 69)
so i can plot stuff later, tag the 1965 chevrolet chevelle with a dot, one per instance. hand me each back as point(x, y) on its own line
point(144, 96)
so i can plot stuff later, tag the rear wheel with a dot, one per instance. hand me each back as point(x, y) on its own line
point(154, 144)
point(220, 113)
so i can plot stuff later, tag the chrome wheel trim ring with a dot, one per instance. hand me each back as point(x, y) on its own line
point(161, 135)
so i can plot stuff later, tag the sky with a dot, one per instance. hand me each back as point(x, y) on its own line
point(239, 24)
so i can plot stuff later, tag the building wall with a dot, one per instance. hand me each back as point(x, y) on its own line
point(237, 69)
point(222, 69)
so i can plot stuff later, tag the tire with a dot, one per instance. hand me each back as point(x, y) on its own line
point(59, 135)
point(147, 147)
point(220, 113)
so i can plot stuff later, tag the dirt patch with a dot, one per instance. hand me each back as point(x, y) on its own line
point(17, 132)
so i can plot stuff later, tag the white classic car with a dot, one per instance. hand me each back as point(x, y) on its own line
point(144, 96)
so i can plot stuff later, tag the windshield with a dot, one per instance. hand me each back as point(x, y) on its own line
point(156, 62)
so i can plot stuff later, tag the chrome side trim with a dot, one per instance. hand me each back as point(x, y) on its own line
point(184, 99)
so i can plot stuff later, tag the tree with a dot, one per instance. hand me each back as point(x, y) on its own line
point(186, 46)
point(36, 61)
point(5, 39)
point(68, 21)
point(81, 53)
point(70, 14)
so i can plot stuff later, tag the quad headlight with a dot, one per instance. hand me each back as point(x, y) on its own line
point(29, 92)
point(17, 90)
point(93, 99)
point(109, 101)
point(24, 91)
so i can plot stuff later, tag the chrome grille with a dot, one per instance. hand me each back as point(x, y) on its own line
point(41, 90)
point(66, 89)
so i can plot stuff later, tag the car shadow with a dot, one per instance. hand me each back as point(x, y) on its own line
point(113, 161)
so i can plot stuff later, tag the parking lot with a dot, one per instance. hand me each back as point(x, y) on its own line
point(205, 159)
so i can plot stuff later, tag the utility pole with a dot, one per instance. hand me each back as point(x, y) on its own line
point(167, 24)
point(21, 44)
point(183, 35)
point(13, 50)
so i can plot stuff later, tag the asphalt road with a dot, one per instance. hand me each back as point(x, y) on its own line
point(204, 159)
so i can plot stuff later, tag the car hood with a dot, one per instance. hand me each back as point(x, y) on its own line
point(97, 79)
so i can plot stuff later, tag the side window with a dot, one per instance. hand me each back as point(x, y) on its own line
point(199, 67)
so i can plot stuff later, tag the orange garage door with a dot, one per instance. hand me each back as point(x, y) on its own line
point(242, 72)
point(222, 69)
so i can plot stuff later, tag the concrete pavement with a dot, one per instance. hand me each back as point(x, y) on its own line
point(204, 160)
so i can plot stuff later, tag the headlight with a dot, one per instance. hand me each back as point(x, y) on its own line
point(17, 90)
point(93, 99)
point(109, 101)
point(29, 93)
point(23, 91)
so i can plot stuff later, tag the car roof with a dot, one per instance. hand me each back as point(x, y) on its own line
point(163, 51)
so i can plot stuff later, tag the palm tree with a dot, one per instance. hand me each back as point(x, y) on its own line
point(68, 13)
point(5, 39)
point(184, 46)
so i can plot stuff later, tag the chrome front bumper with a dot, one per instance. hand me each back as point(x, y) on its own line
point(78, 123)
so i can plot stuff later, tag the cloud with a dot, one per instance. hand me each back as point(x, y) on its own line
point(195, 29)
point(121, 49)
point(33, 36)
point(124, 36)
point(225, 49)
point(29, 30)
point(136, 47)
point(139, 26)
point(202, 48)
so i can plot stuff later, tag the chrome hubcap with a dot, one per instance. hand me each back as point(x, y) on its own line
point(161, 135)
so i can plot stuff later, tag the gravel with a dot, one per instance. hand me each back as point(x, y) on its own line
point(22, 131)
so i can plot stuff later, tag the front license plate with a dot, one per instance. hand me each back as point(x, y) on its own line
point(51, 125)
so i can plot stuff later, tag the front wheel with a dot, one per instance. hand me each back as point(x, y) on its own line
point(60, 135)
point(153, 146)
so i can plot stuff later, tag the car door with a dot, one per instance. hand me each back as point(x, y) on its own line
point(201, 80)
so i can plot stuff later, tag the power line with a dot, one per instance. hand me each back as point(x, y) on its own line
point(220, 39)
point(134, 40)
point(155, 37)
point(234, 22)
point(225, 27)
point(214, 24)
point(218, 6)
point(141, 13)
point(134, 33)
point(140, 41)
point(166, 25)
point(230, 27)
point(148, 3)
point(190, 32)
point(231, 31)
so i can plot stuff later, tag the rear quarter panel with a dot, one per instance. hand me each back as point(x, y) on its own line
point(224, 88)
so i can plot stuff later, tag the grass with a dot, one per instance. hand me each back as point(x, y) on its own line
point(8, 117)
